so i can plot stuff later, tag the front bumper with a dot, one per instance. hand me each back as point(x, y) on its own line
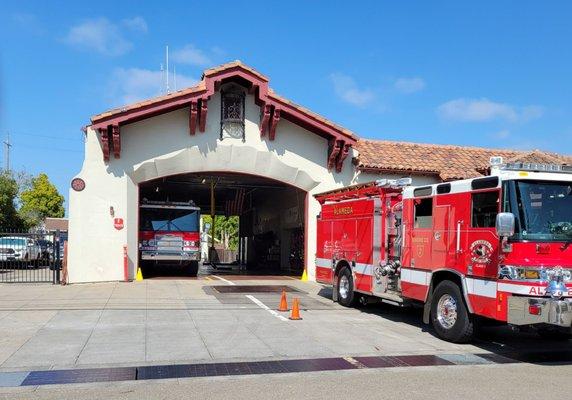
point(160, 256)
point(551, 311)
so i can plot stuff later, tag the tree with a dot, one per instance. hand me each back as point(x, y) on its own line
point(9, 218)
point(226, 230)
point(41, 200)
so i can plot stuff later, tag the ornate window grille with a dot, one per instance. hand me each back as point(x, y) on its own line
point(232, 113)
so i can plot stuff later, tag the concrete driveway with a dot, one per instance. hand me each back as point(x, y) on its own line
point(174, 321)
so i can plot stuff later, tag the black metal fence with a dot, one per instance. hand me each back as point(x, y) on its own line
point(30, 257)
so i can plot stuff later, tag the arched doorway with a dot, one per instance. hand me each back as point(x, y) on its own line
point(259, 224)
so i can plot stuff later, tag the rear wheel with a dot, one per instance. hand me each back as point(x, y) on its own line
point(193, 268)
point(449, 314)
point(345, 287)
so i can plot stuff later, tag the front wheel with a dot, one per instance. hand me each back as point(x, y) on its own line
point(345, 288)
point(449, 314)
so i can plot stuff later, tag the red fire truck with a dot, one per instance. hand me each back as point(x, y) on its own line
point(169, 234)
point(496, 247)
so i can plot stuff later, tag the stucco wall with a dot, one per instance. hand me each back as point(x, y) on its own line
point(162, 146)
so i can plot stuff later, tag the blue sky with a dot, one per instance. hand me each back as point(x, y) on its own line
point(493, 74)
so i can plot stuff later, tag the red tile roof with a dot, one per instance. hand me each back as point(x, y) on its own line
point(445, 161)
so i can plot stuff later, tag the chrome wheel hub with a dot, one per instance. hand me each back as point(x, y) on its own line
point(447, 311)
point(344, 288)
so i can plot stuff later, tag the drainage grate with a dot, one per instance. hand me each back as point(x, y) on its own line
point(254, 289)
point(51, 377)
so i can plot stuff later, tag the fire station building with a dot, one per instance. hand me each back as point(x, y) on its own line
point(232, 143)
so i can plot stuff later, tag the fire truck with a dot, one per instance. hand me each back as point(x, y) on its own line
point(497, 247)
point(169, 234)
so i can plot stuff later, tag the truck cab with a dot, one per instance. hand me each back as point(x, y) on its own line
point(169, 234)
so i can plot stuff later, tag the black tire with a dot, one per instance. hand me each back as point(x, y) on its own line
point(346, 295)
point(554, 333)
point(193, 268)
point(457, 330)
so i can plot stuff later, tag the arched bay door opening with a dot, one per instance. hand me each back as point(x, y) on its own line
point(259, 225)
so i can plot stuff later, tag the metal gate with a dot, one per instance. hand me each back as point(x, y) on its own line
point(30, 257)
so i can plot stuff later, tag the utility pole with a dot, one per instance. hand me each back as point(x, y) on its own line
point(7, 146)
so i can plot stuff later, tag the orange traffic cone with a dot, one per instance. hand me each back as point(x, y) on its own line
point(295, 315)
point(283, 303)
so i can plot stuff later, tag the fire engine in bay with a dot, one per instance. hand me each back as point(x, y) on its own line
point(497, 247)
point(169, 234)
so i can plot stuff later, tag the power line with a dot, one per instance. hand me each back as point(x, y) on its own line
point(20, 145)
point(42, 136)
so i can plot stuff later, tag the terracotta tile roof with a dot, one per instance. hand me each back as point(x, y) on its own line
point(179, 93)
point(232, 64)
point(446, 161)
point(318, 117)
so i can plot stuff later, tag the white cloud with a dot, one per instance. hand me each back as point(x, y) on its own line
point(103, 36)
point(137, 24)
point(191, 55)
point(502, 134)
point(482, 110)
point(129, 85)
point(346, 88)
point(409, 85)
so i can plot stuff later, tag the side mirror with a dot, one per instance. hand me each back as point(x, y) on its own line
point(505, 224)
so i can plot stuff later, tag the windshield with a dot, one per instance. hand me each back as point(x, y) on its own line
point(543, 209)
point(170, 220)
point(12, 241)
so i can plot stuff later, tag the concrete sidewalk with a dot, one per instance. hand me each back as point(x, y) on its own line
point(174, 321)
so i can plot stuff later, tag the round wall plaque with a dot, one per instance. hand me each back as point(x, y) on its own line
point(78, 184)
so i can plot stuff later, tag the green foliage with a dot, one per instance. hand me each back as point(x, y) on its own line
point(9, 218)
point(226, 230)
point(40, 200)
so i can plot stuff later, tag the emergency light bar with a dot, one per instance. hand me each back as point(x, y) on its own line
point(401, 182)
point(535, 167)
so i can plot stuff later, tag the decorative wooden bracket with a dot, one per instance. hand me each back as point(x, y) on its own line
point(334, 149)
point(116, 136)
point(193, 118)
point(264, 118)
point(274, 124)
point(104, 143)
point(342, 156)
point(203, 115)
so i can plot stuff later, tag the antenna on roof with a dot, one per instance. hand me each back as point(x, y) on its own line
point(174, 78)
point(162, 79)
point(167, 67)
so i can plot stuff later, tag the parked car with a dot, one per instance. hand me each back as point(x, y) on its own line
point(60, 240)
point(19, 248)
point(47, 249)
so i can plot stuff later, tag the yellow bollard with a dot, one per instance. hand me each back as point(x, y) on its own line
point(139, 276)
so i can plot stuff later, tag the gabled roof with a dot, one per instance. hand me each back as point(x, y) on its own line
point(210, 81)
point(445, 161)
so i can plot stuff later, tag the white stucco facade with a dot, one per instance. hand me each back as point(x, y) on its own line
point(161, 146)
